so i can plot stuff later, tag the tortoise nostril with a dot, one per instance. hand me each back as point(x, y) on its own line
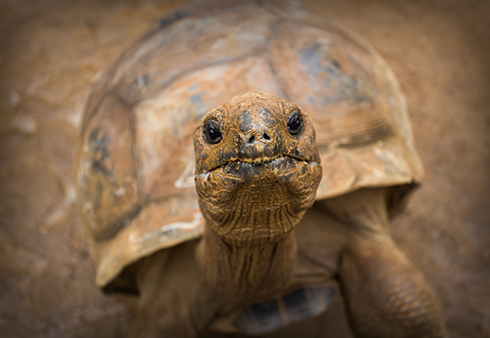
point(265, 137)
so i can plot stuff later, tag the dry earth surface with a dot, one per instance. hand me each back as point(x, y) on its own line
point(51, 50)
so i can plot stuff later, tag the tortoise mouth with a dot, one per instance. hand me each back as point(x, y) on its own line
point(260, 161)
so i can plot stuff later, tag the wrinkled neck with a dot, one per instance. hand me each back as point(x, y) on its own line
point(255, 221)
point(249, 269)
point(249, 247)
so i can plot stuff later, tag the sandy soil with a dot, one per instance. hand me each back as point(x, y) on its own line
point(51, 49)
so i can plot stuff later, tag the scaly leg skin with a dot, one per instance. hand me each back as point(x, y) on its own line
point(386, 295)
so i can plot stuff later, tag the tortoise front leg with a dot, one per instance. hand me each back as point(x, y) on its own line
point(386, 295)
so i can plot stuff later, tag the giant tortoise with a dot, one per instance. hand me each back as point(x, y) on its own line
point(237, 169)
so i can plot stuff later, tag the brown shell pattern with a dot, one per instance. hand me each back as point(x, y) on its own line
point(136, 161)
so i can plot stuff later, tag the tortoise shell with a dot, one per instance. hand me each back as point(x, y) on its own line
point(135, 172)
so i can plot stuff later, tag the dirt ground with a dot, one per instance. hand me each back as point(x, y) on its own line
point(51, 49)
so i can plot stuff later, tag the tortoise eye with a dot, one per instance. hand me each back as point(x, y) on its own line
point(212, 132)
point(295, 123)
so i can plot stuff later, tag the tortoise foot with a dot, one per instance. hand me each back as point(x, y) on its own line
point(387, 296)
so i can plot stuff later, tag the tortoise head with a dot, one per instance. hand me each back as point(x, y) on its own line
point(257, 167)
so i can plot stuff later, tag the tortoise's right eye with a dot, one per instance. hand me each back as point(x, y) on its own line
point(212, 132)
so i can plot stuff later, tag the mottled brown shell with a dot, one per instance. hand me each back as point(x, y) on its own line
point(136, 162)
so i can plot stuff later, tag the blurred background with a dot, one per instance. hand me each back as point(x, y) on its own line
point(51, 49)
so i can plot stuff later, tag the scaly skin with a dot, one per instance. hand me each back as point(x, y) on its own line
point(386, 295)
point(252, 198)
point(252, 204)
point(254, 183)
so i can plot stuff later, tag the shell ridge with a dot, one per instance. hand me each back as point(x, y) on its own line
point(136, 156)
point(155, 92)
point(134, 77)
point(187, 72)
point(270, 61)
point(90, 116)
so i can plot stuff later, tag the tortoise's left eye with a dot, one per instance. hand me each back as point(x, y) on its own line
point(295, 123)
point(212, 132)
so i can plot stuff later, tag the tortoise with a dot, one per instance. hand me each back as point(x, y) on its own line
point(237, 169)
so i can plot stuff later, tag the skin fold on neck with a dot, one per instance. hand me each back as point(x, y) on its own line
point(247, 270)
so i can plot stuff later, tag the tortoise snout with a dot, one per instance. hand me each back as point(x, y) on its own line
point(258, 136)
point(256, 143)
